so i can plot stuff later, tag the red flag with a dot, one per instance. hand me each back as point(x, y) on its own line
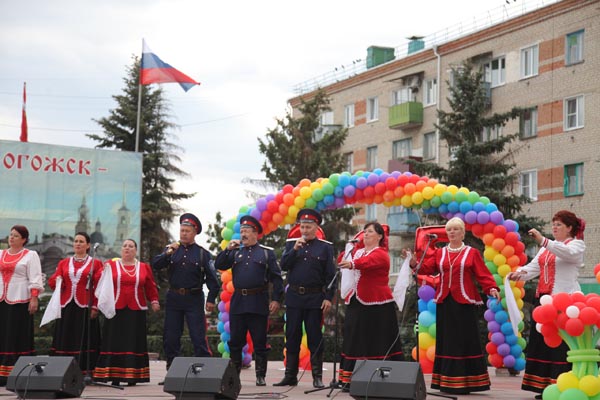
point(24, 116)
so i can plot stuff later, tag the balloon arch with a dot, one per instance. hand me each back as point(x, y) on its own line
point(504, 251)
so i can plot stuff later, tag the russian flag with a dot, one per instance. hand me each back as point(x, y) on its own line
point(155, 70)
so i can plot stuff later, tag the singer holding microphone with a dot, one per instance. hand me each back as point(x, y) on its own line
point(460, 366)
point(188, 267)
point(310, 267)
point(71, 330)
point(371, 329)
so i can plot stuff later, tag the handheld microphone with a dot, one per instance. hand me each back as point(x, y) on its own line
point(353, 241)
point(432, 236)
point(96, 245)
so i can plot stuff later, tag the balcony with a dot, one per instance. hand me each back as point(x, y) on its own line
point(403, 223)
point(406, 115)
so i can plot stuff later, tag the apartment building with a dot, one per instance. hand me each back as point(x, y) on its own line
point(546, 60)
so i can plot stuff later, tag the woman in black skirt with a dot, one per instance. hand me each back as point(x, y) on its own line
point(20, 284)
point(124, 349)
point(71, 330)
point(371, 328)
point(460, 367)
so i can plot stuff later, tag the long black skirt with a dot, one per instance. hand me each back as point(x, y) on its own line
point(124, 349)
point(370, 333)
point(16, 336)
point(70, 336)
point(543, 363)
point(460, 366)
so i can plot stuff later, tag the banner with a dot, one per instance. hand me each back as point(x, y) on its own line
point(56, 191)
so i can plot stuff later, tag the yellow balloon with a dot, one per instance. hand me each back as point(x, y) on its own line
point(590, 385)
point(453, 189)
point(406, 201)
point(293, 211)
point(315, 185)
point(520, 304)
point(567, 380)
point(517, 292)
point(425, 340)
point(223, 244)
point(439, 189)
point(305, 340)
point(305, 192)
point(397, 201)
point(417, 198)
point(288, 220)
point(428, 193)
point(464, 190)
point(298, 202)
point(503, 270)
point(489, 253)
point(499, 259)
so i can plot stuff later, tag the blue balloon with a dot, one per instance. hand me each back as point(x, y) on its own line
point(328, 199)
point(443, 208)
point(220, 327)
point(478, 207)
point(432, 307)
point(465, 207)
point(519, 364)
point(378, 171)
point(422, 305)
point(516, 350)
point(344, 180)
point(426, 319)
point(507, 329)
point(338, 191)
point(225, 336)
point(501, 317)
point(236, 236)
point(490, 208)
point(511, 339)
point(353, 180)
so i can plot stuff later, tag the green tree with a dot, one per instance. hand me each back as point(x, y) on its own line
point(294, 150)
point(480, 158)
point(160, 156)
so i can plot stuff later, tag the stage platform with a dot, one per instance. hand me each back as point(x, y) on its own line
point(504, 387)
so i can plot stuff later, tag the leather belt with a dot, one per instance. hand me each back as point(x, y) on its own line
point(185, 291)
point(303, 290)
point(257, 290)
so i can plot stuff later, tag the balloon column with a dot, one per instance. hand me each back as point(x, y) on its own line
point(426, 328)
point(503, 249)
point(573, 318)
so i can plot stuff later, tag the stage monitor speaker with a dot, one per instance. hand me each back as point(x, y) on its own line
point(45, 378)
point(202, 378)
point(387, 380)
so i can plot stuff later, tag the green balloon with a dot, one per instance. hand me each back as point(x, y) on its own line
point(460, 197)
point(310, 203)
point(328, 188)
point(473, 197)
point(227, 233)
point(432, 329)
point(318, 194)
point(225, 355)
point(243, 210)
point(426, 204)
point(435, 201)
point(221, 347)
point(230, 223)
point(447, 197)
point(568, 394)
point(334, 179)
point(484, 200)
point(522, 342)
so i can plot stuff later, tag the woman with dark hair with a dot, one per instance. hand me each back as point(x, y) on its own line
point(460, 366)
point(21, 282)
point(557, 265)
point(371, 328)
point(124, 349)
point(71, 329)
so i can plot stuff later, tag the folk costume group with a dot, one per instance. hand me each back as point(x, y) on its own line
point(124, 289)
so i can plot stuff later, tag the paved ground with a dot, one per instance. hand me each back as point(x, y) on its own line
point(503, 387)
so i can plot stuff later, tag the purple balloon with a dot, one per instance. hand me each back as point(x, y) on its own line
point(493, 326)
point(256, 213)
point(339, 202)
point(503, 349)
point(362, 183)
point(497, 338)
point(226, 325)
point(221, 306)
point(247, 359)
point(270, 197)
point(373, 179)
point(261, 204)
point(509, 361)
point(225, 316)
point(489, 315)
point(483, 217)
point(426, 292)
point(460, 215)
point(510, 225)
point(383, 177)
point(349, 191)
point(396, 174)
point(496, 217)
point(471, 217)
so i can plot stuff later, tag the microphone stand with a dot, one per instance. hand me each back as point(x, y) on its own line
point(88, 379)
point(415, 275)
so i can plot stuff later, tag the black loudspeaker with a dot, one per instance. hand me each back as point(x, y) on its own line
point(387, 380)
point(202, 378)
point(45, 378)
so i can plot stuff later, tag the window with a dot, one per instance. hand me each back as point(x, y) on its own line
point(429, 146)
point(349, 116)
point(349, 160)
point(370, 214)
point(402, 148)
point(528, 184)
point(372, 109)
point(573, 179)
point(529, 61)
point(430, 95)
point(490, 133)
point(371, 158)
point(402, 95)
point(528, 123)
point(573, 113)
point(495, 71)
point(574, 47)
point(396, 261)
point(327, 118)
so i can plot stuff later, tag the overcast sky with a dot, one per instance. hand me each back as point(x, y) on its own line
point(248, 56)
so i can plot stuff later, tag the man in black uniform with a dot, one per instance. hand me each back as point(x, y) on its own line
point(189, 266)
point(310, 267)
point(253, 267)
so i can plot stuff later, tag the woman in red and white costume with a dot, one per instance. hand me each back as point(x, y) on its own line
point(124, 348)
point(371, 326)
point(460, 367)
point(21, 282)
point(557, 265)
point(71, 330)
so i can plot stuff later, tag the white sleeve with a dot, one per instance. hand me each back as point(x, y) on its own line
point(34, 272)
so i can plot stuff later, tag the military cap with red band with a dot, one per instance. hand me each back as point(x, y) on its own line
point(190, 219)
point(249, 221)
point(309, 215)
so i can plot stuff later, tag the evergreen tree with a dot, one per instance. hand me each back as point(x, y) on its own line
point(480, 159)
point(159, 200)
point(295, 150)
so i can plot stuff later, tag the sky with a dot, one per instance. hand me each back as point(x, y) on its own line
point(248, 56)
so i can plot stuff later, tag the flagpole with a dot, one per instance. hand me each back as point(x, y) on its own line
point(139, 105)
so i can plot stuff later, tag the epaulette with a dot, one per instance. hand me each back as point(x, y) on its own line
point(326, 241)
point(266, 247)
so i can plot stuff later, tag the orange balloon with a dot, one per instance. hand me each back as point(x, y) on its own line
point(230, 287)
point(513, 261)
point(399, 192)
point(226, 276)
point(431, 353)
point(304, 182)
point(410, 188)
point(498, 244)
point(488, 239)
point(420, 185)
point(508, 251)
point(288, 199)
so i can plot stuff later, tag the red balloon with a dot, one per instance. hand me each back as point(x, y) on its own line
point(273, 206)
point(519, 247)
point(594, 302)
point(561, 301)
point(414, 178)
point(402, 180)
point(588, 315)
point(225, 295)
point(499, 231)
point(279, 197)
point(553, 341)
point(574, 327)
point(561, 320)
point(380, 188)
point(477, 230)
point(287, 188)
point(369, 192)
point(496, 360)
point(491, 348)
point(522, 258)
point(596, 269)
point(359, 195)
point(512, 238)
point(544, 314)
point(489, 227)
point(578, 297)
point(391, 183)
point(549, 330)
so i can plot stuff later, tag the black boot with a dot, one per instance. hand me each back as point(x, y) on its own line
point(291, 371)
point(316, 363)
point(261, 369)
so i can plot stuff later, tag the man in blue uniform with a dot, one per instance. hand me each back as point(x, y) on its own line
point(189, 266)
point(253, 267)
point(310, 267)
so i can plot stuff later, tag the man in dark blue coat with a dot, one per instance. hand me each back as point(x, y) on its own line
point(310, 267)
point(189, 267)
point(253, 267)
